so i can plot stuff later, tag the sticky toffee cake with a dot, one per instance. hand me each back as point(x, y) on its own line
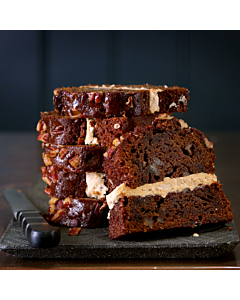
point(164, 180)
point(168, 148)
point(105, 101)
point(77, 212)
point(117, 151)
point(65, 130)
point(188, 201)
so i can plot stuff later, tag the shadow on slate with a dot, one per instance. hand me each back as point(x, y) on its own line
point(213, 240)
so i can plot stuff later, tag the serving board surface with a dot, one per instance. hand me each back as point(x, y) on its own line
point(211, 241)
point(95, 243)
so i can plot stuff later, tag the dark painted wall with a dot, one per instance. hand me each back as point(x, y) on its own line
point(33, 63)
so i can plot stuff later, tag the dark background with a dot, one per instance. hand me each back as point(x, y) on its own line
point(33, 63)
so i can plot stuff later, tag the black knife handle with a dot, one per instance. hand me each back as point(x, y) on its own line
point(39, 233)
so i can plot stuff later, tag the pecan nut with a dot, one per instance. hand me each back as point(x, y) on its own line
point(67, 202)
point(53, 153)
point(91, 96)
point(130, 101)
point(46, 179)
point(41, 126)
point(47, 191)
point(57, 129)
point(74, 162)
point(53, 200)
point(63, 152)
point(57, 215)
point(74, 231)
point(46, 159)
point(98, 98)
point(43, 137)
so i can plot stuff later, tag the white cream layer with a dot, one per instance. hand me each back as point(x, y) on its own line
point(90, 139)
point(165, 116)
point(162, 188)
point(95, 185)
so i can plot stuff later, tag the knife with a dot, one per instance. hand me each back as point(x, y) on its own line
point(36, 229)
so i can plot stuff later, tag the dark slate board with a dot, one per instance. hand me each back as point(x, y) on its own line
point(95, 243)
point(213, 241)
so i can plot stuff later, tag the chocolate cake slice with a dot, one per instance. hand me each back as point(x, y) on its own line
point(105, 101)
point(60, 130)
point(61, 183)
point(74, 158)
point(77, 212)
point(168, 148)
point(162, 177)
point(189, 201)
point(108, 129)
point(65, 130)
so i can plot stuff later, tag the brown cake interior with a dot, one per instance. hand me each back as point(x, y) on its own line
point(187, 208)
point(64, 130)
point(108, 129)
point(139, 149)
point(166, 149)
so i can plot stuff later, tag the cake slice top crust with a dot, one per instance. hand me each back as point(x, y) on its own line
point(104, 101)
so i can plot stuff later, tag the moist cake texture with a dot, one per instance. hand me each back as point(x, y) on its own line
point(108, 129)
point(168, 148)
point(65, 130)
point(113, 101)
point(187, 208)
point(117, 150)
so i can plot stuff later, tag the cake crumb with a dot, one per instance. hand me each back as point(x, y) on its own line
point(195, 234)
point(74, 231)
point(230, 228)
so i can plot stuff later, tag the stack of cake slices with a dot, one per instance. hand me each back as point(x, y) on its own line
point(116, 153)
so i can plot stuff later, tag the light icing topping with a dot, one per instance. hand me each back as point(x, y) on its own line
point(183, 124)
point(95, 185)
point(90, 139)
point(165, 117)
point(162, 188)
